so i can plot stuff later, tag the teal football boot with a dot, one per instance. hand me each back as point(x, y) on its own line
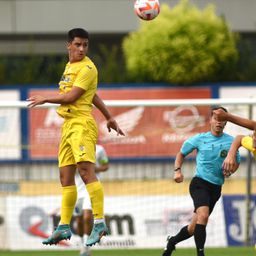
point(62, 232)
point(99, 230)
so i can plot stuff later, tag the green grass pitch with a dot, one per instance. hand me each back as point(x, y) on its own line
point(230, 251)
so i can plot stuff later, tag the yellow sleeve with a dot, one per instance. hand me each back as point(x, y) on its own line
point(85, 77)
point(247, 143)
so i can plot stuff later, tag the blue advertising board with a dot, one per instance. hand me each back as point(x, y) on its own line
point(235, 218)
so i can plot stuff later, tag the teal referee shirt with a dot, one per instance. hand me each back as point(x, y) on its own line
point(211, 152)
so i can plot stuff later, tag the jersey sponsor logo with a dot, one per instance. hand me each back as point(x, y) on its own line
point(223, 153)
point(65, 79)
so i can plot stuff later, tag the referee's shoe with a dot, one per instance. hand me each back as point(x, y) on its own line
point(170, 247)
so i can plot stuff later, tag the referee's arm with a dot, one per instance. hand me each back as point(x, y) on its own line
point(178, 176)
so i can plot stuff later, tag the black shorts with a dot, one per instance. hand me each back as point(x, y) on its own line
point(204, 193)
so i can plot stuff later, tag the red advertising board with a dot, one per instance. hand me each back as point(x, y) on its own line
point(44, 129)
point(150, 131)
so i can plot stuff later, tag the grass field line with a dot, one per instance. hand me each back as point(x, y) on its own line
point(229, 251)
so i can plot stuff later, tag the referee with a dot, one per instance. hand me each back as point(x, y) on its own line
point(205, 187)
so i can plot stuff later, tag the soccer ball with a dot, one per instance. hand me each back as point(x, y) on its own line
point(147, 9)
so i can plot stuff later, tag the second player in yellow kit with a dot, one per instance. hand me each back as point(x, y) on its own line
point(77, 93)
point(248, 142)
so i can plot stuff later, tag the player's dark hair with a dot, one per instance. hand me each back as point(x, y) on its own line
point(77, 32)
point(218, 107)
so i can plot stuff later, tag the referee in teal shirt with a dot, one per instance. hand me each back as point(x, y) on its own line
point(205, 187)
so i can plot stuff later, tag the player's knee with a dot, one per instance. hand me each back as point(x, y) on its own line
point(191, 229)
point(87, 175)
point(202, 218)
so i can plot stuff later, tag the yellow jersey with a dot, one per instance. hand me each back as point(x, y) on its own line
point(82, 74)
point(247, 143)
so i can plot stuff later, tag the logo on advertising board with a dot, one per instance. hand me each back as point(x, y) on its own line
point(172, 221)
point(134, 221)
point(182, 120)
point(119, 225)
point(235, 217)
point(128, 121)
point(152, 131)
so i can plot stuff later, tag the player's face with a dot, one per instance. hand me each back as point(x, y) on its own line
point(217, 127)
point(77, 49)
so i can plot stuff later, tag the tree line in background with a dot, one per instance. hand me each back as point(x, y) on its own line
point(183, 45)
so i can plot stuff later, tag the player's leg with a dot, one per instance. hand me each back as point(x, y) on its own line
point(83, 146)
point(204, 195)
point(78, 215)
point(200, 229)
point(210, 197)
point(86, 223)
point(199, 191)
point(67, 167)
point(87, 229)
point(69, 193)
point(185, 233)
point(79, 226)
point(69, 196)
point(95, 191)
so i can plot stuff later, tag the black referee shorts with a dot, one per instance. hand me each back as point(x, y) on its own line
point(204, 193)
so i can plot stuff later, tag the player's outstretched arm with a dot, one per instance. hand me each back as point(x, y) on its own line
point(254, 139)
point(111, 122)
point(67, 98)
point(221, 115)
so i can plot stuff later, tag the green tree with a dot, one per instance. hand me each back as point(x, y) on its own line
point(110, 64)
point(31, 69)
point(182, 45)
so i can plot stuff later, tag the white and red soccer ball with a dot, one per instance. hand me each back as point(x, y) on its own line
point(147, 9)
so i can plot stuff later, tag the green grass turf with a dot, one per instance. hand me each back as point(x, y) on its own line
point(230, 251)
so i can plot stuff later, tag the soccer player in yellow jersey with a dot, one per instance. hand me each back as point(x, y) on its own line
point(248, 142)
point(77, 93)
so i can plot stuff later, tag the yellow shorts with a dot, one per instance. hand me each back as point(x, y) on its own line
point(247, 143)
point(78, 140)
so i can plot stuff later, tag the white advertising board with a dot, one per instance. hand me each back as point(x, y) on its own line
point(3, 230)
point(134, 221)
point(10, 132)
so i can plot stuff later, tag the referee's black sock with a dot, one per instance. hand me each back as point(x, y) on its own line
point(200, 237)
point(182, 235)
